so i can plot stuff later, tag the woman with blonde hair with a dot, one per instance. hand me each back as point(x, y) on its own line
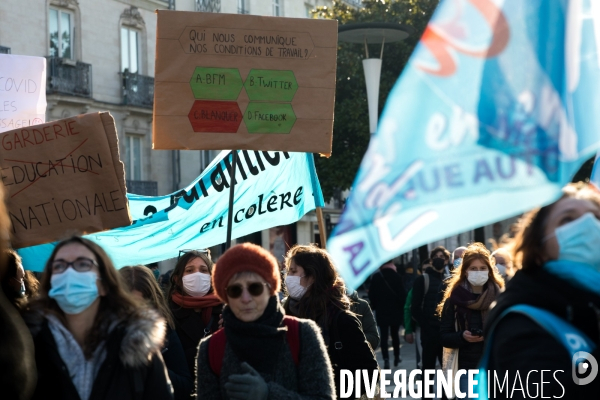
point(142, 284)
point(472, 288)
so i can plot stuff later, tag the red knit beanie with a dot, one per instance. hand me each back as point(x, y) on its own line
point(245, 257)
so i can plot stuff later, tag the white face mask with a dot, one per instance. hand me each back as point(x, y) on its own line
point(294, 288)
point(196, 284)
point(501, 270)
point(477, 278)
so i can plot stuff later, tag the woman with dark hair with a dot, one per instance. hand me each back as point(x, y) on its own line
point(18, 285)
point(260, 353)
point(317, 292)
point(472, 288)
point(194, 305)
point(92, 340)
point(556, 252)
point(142, 284)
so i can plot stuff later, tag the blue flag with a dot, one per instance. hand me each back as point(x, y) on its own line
point(494, 113)
point(272, 189)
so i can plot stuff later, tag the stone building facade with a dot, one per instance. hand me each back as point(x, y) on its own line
point(100, 57)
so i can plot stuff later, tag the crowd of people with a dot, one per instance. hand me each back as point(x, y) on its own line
point(228, 330)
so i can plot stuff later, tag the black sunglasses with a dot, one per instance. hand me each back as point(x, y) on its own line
point(255, 289)
point(203, 251)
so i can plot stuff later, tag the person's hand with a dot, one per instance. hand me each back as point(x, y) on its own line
point(409, 338)
point(220, 321)
point(248, 386)
point(470, 338)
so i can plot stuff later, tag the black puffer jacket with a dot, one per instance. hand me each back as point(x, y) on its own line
point(423, 310)
point(469, 353)
point(387, 297)
point(519, 344)
point(133, 367)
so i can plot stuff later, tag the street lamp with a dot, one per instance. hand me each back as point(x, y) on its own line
point(371, 33)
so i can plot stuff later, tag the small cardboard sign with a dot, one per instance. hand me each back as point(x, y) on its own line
point(63, 177)
point(246, 82)
point(22, 91)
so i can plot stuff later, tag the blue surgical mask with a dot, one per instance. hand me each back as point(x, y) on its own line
point(457, 262)
point(74, 291)
point(578, 241)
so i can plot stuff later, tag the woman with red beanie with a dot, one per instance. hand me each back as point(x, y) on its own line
point(259, 354)
point(194, 306)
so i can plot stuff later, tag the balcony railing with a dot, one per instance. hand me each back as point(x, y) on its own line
point(138, 90)
point(213, 6)
point(4, 50)
point(66, 76)
point(242, 10)
point(144, 188)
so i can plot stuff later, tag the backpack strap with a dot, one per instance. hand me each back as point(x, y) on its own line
point(218, 340)
point(572, 339)
point(216, 351)
point(293, 336)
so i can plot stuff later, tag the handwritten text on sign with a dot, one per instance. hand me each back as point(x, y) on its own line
point(22, 91)
point(242, 42)
point(247, 82)
point(63, 176)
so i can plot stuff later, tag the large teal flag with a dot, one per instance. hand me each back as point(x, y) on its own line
point(494, 113)
point(272, 188)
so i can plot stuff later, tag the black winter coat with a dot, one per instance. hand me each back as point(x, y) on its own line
point(131, 342)
point(362, 309)
point(190, 329)
point(177, 366)
point(348, 347)
point(424, 311)
point(519, 344)
point(469, 353)
point(387, 297)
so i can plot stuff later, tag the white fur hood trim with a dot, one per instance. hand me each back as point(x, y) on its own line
point(143, 337)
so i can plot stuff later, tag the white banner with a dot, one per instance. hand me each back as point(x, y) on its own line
point(22, 91)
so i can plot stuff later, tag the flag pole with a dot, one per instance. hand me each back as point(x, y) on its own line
point(322, 231)
point(234, 156)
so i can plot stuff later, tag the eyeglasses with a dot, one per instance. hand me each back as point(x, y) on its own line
point(184, 252)
point(81, 264)
point(255, 289)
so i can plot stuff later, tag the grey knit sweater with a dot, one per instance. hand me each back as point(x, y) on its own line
point(311, 379)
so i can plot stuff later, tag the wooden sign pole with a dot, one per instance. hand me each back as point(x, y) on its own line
point(234, 156)
point(322, 231)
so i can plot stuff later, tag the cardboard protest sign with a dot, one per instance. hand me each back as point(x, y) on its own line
point(227, 81)
point(22, 91)
point(61, 177)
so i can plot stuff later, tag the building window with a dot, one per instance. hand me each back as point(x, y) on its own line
point(130, 50)
point(133, 157)
point(277, 8)
point(243, 6)
point(213, 6)
point(61, 33)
